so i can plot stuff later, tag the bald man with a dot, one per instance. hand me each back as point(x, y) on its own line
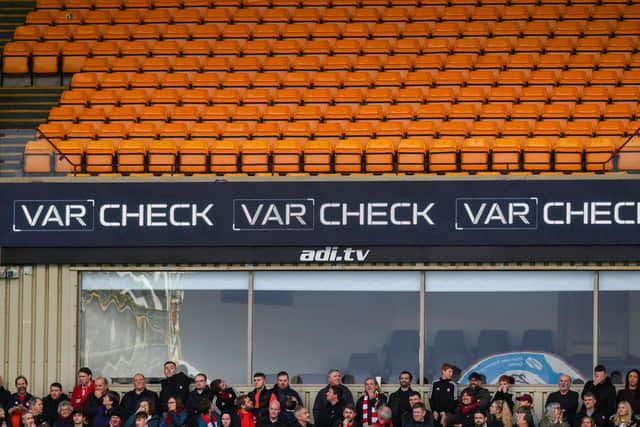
point(567, 398)
point(130, 400)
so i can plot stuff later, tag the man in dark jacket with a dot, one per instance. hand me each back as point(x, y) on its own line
point(420, 417)
point(603, 390)
point(94, 400)
point(129, 402)
point(444, 392)
point(481, 395)
point(174, 384)
point(331, 413)
point(18, 402)
point(414, 397)
point(589, 409)
point(274, 417)
point(282, 390)
point(334, 379)
point(52, 401)
point(399, 399)
point(4, 393)
point(199, 393)
point(261, 396)
point(567, 398)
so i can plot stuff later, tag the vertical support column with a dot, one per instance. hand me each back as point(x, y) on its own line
point(421, 329)
point(250, 329)
point(596, 286)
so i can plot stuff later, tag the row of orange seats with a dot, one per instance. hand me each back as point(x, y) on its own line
point(382, 12)
point(320, 156)
point(153, 123)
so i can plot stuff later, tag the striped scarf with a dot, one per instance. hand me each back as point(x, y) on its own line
point(369, 413)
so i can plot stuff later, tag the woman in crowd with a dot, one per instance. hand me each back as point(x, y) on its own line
point(553, 416)
point(623, 416)
point(207, 416)
point(524, 418)
point(78, 418)
point(3, 417)
point(110, 402)
point(367, 405)
point(587, 422)
point(145, 405)
point(175, 416)
point(224, 397)
point(500, 414)
point(225, 419)
point(64, 415)
point(631, 391)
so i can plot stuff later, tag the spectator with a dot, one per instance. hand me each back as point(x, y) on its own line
point(131, 399)
point(174, 384)
point(603, 390)
point(589, 409)
point(282, 390)
point(445, 420)
point(260, 395)
point(385, 418)
point(331, 413)
point(78, 418)
point(4, 394)
point(175, 415)
point(525, 401)
point(586, 422)
point(504, 383)
point(245, 411)
point(480, 419)
point(207, 416)
point(399, 399)
point(147, 406)
point(3, 418)
point(631, 391)
point(420, 417)
point(553, 416)
point(226, 420)
point(289, 413)
point(623, 416)
point(27, 420)
point(500, 414)
point(348, 416)
point(466, 408)
point(36, 408)
point(444, 392)
point(199, 393)
point(18, 403)
point(274, 416)
point(116, 419)
point(481, 395)
point(84, 388)
point(223, 397)
point(334, 379)
point(65, 412)
point(141, 419)
point(367, 405)
point(567, 399)
point(110, 402)
point(302, 417)
point(524, 417)
point(414, 397)
point(52, 401)
point(95, 400)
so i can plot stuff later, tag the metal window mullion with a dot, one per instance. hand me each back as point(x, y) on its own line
point(250, 328)
point(421, 329)
point(596, 286)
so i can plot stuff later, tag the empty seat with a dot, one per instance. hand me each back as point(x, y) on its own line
point(193, 156)
point(318, 156)
point(443, 155)
point(255, 156)
point(411, 155)
point(379, 156)
point(162, 156)
point(599, 154)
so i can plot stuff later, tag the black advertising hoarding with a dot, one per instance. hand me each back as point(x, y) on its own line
point(315, 221)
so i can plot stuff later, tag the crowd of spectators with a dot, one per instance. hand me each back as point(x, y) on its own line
point(194, 402)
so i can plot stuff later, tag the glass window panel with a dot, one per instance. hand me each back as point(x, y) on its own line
point(364, 323)
point(619, 322)
point(472, 315)
point(135, 321)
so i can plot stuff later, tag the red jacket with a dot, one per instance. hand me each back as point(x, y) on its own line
point(247, 419)
point(80, 394)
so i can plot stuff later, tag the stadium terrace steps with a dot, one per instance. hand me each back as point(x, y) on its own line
point(21, 111)
point(12, 15)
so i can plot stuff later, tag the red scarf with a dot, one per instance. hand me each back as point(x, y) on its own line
point(369, 413)
point(468, 408)
point(213, 421)
point(168, 419)
point(223, 395)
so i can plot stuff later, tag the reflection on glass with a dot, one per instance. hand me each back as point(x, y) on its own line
point(546, 317)
point(135, 321)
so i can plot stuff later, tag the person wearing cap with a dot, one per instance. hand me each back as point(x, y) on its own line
point(567, 398)
point(84, 388)
point(481, 395)
point(603, 390)
point(116, 418)
point(504, 382)
point(526, 401)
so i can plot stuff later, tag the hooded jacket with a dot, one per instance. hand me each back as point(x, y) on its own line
point(605, 394)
